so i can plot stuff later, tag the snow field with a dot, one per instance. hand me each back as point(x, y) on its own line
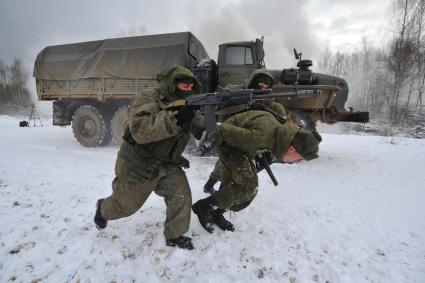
point(356, 214)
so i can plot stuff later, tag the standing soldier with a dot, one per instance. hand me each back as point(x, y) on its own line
point(238, 140)
point(150, 158)
point(260, 79)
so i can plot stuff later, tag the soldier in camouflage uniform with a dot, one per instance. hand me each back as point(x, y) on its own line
point(150, 158)
point(238, 140)
point(260, 79)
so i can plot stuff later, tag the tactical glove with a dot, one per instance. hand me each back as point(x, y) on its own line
point(184, 163)
point(185, 115)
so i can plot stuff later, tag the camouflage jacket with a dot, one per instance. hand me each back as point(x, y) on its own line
point(153, 139)
point(253, 130)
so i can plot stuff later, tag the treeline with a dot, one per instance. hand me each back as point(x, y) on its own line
point(12, 84)
point(389, 82)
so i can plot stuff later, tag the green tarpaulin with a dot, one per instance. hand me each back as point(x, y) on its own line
point(129, 57)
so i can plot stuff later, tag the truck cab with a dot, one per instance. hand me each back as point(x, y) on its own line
point(238, 60)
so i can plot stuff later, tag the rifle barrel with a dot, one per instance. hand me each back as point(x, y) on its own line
point(300, 93)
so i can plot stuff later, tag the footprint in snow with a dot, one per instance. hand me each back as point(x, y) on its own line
point(159, 254)
point(22, 247)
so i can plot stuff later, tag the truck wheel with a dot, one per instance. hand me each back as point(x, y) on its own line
point(302, 120)
point(119, 123)
point(91, 128)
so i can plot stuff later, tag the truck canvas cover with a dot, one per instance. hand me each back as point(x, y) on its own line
point(130, 57)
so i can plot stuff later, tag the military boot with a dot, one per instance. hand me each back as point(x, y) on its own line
point(181, 242)
point(209, 185)
point(98, 218)
point(204, 208)
point(222, 223)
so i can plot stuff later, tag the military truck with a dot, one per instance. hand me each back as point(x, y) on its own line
point(92, 83)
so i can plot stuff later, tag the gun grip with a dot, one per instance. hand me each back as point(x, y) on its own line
point(210, 121)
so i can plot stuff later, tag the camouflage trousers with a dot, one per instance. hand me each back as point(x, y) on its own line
point(239, 181)
point(129, 195)
point(215, 174)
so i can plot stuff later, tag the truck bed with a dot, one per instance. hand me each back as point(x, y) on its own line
point(95, 88)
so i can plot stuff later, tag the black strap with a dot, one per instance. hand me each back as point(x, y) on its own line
point(262, 107)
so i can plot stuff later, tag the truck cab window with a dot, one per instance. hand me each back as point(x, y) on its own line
point(239, 55)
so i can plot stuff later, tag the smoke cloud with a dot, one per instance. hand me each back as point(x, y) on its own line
point(283, 24)
point(28, 26)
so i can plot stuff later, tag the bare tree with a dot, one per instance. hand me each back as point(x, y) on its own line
point(365, 73)
point(3, 81)
point(12, 84)
point(420, 54)
point(18, 80)
point(391, 80)
point(401, 59)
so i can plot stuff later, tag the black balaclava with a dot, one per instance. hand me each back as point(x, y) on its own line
point(181, 94)
point(261, 79)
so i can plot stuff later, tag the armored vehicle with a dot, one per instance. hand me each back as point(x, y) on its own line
point(92, 83)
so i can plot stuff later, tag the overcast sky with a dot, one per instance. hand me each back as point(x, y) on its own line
point(28, 26)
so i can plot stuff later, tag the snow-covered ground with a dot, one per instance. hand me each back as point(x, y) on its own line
point(356, 214)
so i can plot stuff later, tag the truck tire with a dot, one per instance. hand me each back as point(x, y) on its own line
point(91, 128)
point(119, 123)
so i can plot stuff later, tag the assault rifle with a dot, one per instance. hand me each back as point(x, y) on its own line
point(252, 98)
point(225, 97)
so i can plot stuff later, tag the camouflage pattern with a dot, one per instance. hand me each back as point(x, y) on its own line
point(258, 73)
point(307, 144)
point(254, 130)
point(150, 157)
point(276, 107)
point(226, 113)
point(215, 174)
point(239, 181)
point(242, 136)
